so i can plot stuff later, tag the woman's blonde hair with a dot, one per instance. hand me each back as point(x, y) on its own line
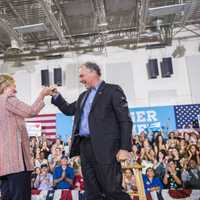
point(5, 81)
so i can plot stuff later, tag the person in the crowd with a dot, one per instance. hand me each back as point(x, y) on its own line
point(45, 149)
point(59, 144)
point(182, 148)
point(55, 157)
point(159, 143)
point(15, 157)
point(172, 141)
point(39, 160)
point(44, 180)
point(101, 133)
point(63, 175)
point(194, 153)
point(160, 164)
point(191, 176)
point(172, 177)
point(33, 144)
point(34, 174)
point(151, 183)
point(78, 183)
point(176, 158)
point(128, 182)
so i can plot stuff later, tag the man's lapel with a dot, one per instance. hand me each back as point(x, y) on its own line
point(84, 98)
point(98, 94)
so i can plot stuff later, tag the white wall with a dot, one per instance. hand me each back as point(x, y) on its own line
point(125, 67)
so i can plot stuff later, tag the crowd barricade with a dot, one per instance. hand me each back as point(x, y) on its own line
point(58, 195)
point(181, 194)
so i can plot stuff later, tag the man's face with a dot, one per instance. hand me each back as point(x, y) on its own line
point(87, 76)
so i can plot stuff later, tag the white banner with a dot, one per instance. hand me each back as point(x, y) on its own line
point(34, 129)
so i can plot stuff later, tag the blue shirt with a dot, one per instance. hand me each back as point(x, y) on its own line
point(155, 182)
point(58, 173)
point(84, 124)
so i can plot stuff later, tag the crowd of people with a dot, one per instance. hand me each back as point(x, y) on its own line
point(53, 168)
point(170, 163)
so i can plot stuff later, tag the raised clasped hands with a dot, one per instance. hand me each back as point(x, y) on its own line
point(49, 91)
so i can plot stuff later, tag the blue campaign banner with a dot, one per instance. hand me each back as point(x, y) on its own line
point(63, 126)
point(150, 119)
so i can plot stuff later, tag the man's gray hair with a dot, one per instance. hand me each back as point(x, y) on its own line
point(93, 66)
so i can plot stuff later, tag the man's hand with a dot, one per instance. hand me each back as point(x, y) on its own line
point(123, 155)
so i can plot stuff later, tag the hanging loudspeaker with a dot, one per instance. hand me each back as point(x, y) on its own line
point(58, 76)
point(166, 67)
point(152, 68)
point(45, 77)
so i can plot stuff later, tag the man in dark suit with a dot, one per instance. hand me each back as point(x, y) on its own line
point(101, 133)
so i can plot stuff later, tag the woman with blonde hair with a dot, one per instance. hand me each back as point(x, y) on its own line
point(15, 157)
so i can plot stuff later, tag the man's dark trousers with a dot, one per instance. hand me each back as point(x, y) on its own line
point(102, 181)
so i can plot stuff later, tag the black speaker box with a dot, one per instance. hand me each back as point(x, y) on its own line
point(45, 77)
point(152, 68)
point(166, 67)
point(58, 76)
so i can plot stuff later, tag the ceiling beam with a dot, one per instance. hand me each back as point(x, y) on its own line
point(101, 13)
point(2, 46)
point(143, 14)
point(66, 26)
point(189, 11)
point(10, 31)
point(94, 27)
point(53, 21)
point(186, 15)
point(33, 36)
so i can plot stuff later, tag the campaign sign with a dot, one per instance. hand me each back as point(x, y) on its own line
point(151, 119)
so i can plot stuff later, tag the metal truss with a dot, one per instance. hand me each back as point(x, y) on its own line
point(33, 36)
point(10, 31)
point(53, 21)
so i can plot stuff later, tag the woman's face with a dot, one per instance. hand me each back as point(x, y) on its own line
point(152, 153)
point(182, 143)
point(10, 90)
point(193, 149)
point(175, 152)
point(128, 173)
point(187, 136)
point(171, 135)
point(150, 173)
point(160, 155)
point(160, 139)
point(172, 165)
point(146, 143)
